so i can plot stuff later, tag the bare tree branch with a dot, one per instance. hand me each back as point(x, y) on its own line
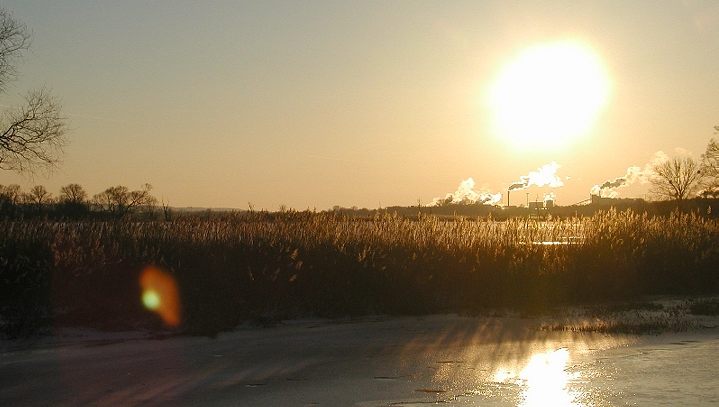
point(14, 39)
point(33, 135)
point(710, 167)
point(677, 178)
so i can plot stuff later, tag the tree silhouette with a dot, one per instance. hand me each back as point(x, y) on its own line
point(11, 193)
point(38, 197)
point(120, 201)
point(73, 193)
point(31, 135)
point(677, 178)
point(72, 201)
point(10, 197)
point(710, 168)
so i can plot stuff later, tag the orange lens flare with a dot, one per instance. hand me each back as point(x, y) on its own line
point(160, 295)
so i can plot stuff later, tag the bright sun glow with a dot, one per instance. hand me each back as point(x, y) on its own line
point(549, 95)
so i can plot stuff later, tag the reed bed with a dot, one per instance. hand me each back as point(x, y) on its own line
point(258, 267)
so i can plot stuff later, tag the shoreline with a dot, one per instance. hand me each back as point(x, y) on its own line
point(651, 316)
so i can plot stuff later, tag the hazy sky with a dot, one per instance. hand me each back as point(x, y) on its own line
point(313, 103)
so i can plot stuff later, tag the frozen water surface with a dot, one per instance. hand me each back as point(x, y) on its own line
point(444, 360)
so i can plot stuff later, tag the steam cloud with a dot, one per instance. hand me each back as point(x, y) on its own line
point(466, 194)
point(609, 188)
point(545, 175)
point(634, 174)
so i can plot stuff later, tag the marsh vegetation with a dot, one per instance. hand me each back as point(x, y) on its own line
point(261, 266)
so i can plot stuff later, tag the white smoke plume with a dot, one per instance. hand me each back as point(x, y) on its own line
point(634, 174)
point(660, 157)
point(609, 189)
point(550, 197)
point(545, 175)
point(466, 194)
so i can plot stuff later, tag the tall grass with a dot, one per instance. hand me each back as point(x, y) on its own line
point(253, 266)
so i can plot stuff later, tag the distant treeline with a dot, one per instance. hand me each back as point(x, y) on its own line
point(73, 202)
point(703, 206)
point(119, 202)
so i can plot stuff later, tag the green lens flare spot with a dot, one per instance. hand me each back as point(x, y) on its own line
point(151, 299)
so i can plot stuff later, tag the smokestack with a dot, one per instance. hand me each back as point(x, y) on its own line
point(508, 191)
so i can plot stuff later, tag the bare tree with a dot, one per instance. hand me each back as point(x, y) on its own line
point(710, 168)
point(9, 198)
point(677, 178)
point(73, 193)
point(31, 135)
point(72, 202)
point(119, 200)
point(10, 194)
point(113, 199)
point(38, 196)
point(141, 199)
point(14, 40)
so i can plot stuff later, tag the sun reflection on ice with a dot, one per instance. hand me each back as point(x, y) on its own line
point(544, 380)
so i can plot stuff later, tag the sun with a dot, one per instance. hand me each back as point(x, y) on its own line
point(549, 95)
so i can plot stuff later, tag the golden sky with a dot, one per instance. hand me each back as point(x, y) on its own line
point(314, 104)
